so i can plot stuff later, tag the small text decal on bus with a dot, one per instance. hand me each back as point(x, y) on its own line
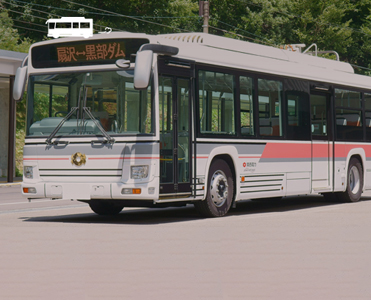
point(70, 27)
point(91, 52)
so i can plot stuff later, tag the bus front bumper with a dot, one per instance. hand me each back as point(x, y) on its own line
point(88, 191)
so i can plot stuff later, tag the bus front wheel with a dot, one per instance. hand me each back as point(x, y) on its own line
point(220, 191)
point(354, 188)
point(105, 208)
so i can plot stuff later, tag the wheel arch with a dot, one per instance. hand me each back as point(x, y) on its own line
point(229, 155)
point(358, 153)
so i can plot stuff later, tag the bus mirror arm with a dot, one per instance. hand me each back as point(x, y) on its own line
point(143, 62)
point(123, 63)
point(160, 49)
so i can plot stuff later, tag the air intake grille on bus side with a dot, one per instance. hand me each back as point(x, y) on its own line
point(262, 183)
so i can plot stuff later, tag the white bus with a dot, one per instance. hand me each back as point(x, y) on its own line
point(70, 27)
point(140, 120)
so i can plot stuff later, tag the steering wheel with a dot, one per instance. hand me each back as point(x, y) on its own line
point(60, 112)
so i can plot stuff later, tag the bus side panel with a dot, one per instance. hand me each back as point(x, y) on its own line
point(367, 167)
point(293, 161)
point(266, 169)
point(343, 153)
point(340, 173)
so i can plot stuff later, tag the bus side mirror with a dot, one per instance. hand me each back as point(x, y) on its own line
point(142, 71)
point(19, 83)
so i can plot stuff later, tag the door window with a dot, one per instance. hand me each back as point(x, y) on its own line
point(166, 130)
point(318, 110)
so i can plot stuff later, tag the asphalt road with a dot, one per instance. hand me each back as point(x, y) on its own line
point(296, 248)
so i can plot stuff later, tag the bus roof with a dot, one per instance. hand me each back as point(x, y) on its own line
point(70, 19)
point(227, 52)
point(224, 43)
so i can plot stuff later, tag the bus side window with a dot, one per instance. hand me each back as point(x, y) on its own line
point(75, 25)
point(298, 116)
point(367, 99)
point(216, 103)
point(51, 25)
point(270, 105)
point(348, 115)
point(246, 106)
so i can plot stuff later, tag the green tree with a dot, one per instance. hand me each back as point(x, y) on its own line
point(9, 37)
point(326, 23)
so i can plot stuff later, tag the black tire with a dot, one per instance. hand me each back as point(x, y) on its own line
point(220, 191)
point(105, 208)
point(354, 182)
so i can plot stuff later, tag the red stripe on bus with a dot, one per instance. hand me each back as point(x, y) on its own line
point(46, 158)
point(134, 157)
point(137, 157)
point(321, 150)
point(96, 158)
point(342, 150)
point(286, 150)
point(93, 158)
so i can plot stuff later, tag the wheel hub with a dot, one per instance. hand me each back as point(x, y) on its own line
point(219, 188)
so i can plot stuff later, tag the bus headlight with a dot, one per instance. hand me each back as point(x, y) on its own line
point(28, 172)
point(139, 172)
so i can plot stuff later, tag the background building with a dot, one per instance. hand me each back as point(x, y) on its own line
point(9, 62)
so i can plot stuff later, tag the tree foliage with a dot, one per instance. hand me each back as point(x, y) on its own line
point(9, 37)
point(340, 25)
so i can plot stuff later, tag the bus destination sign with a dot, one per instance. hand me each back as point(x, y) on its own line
point(90, 52)
point(82, 53)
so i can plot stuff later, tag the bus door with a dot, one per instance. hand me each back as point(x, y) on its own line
point(175, 94)
point(321, 141)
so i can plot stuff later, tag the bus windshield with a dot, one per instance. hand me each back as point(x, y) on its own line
point(109, 96)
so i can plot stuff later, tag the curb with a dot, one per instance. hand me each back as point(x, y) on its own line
point(8, 184)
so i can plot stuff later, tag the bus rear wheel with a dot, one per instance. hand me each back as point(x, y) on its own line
point(105, 208)
point(220, 190)
point(354, 188)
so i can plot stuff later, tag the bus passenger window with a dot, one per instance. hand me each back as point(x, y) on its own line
point(51, 25)
point(75, 25)
point(298, 116)
point(367, 99)
point(348, 115)
point(269, 99)
point(246, 105)
point(216, 103)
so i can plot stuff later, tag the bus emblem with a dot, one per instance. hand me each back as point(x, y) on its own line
point(78, 159)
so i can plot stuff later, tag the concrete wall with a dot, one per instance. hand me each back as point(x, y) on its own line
point(4, 129)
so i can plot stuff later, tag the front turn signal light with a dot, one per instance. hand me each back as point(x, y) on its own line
point(30, 190)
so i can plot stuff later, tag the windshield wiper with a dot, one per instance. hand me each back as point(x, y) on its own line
point(84, 91)
point(51, 136)
point(110, 140)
